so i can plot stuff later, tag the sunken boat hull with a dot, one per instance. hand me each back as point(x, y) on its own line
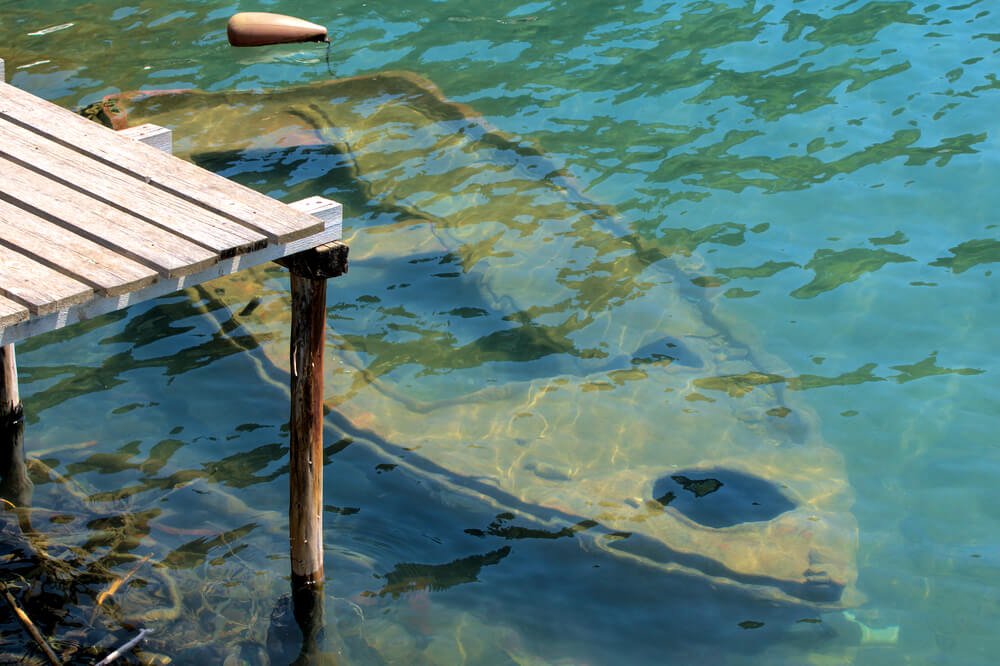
point(581, 381)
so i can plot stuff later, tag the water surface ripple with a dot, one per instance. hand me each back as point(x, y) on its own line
point(616, 269)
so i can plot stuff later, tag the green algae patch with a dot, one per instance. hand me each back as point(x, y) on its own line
point(834, 269)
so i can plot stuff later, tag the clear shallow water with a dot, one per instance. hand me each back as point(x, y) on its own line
point(829, 164)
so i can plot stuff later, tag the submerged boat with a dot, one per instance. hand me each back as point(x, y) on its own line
point(579, 379)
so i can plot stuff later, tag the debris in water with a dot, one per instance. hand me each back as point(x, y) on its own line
point(50, 29)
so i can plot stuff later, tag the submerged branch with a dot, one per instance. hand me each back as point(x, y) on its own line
point(29, 625)
point(124, 648)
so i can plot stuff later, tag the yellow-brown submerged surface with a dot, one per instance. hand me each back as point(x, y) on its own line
point(615, 431)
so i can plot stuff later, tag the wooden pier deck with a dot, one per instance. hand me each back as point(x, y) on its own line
point(93, 220)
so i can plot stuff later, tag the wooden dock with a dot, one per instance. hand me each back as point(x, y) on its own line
point(92, 221)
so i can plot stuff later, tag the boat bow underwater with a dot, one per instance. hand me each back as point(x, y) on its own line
point(571, 383)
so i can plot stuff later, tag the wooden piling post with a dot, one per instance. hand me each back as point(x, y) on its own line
point(10, 399)
point(15, 486)
point(306, 454)
point(309, 272)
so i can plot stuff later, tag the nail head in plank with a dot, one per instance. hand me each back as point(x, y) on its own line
point(240, 203)
point(37, 286)
point(168, 253)
point(71, 254)
point(98, 180)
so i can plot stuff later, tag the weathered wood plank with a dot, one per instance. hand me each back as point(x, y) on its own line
point(99, 306)
point(332, 215)
point(251, 208)
point(98, 180)
point(169, 254)
point(110, 273)
point(152, 135)
point(11, 312)
point(37, 286)
point(326, 210)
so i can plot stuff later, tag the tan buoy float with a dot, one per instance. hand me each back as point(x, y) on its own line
point(263, 28)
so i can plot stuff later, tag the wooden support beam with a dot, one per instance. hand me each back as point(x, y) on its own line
point(309, 272)
point(11, 410)
point(319, 263)
point(15, 486)
point(306, 425)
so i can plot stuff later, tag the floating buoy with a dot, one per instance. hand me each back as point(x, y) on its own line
point(263, 28)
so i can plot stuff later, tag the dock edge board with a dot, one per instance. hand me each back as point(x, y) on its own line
point(328, 211)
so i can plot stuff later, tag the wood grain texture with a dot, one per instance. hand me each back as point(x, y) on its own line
point(102, 223)
point(102, 305)
point(11, 313)
point(257, 211)
point(305, 472)
point(37, 286)
point(108, 272)
point(154, 205)
point(327, 210)
point(152, 135)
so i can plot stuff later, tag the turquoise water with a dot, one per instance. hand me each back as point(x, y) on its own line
point(810, 181)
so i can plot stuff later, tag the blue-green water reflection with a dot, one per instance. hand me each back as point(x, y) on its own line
point(810, 181)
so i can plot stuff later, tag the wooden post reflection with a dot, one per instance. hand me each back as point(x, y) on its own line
point(15, 486)
point(309, 611)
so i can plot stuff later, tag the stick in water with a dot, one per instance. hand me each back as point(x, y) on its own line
point(29, 626)
point(124, 648)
